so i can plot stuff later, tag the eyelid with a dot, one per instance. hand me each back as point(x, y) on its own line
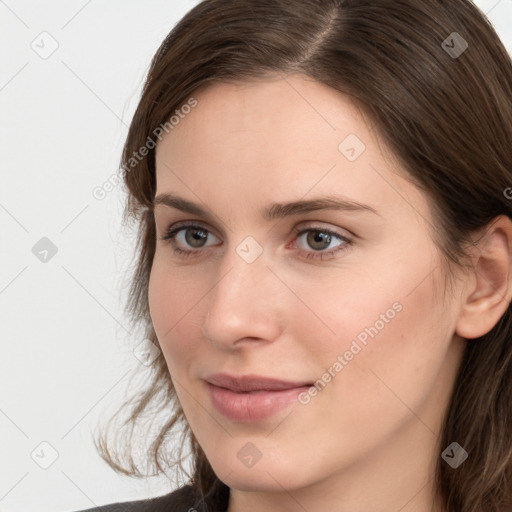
point(172, 232)
point(317, 226)
point(345, 242)
point(173, 229)
point(182, 224)
point(308, 224)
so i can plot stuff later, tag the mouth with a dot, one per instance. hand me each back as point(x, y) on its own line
point(251, 398)
point(252, 383)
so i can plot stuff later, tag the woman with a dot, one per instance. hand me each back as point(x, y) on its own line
point(323, 195)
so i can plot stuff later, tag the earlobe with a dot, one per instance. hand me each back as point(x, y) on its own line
point(489, 290)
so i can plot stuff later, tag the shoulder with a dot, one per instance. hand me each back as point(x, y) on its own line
point(182, 500)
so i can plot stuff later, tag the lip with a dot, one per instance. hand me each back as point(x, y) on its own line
point(251, 398)
point(245, 383)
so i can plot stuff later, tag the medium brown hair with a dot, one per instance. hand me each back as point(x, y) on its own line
point(448, 119)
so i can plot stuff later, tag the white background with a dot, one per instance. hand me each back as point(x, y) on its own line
point(65, 345)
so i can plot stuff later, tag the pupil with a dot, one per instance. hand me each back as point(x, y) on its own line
point(318, 240)
point(196, 237)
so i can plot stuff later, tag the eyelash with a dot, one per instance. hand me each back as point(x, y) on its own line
point(170, 234)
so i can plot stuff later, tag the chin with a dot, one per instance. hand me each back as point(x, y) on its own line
point(262, 477)
point(254, 483)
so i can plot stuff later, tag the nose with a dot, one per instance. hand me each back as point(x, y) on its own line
point(246, 305)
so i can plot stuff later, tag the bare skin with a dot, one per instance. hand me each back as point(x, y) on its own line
point(368, 441)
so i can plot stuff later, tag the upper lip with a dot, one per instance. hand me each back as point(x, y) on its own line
point(251, 382)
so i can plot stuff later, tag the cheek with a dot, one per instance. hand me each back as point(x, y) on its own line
point(174, 297)
point(391, 339)
point(172, 300)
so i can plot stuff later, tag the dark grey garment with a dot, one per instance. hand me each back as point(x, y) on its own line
point(184, 499)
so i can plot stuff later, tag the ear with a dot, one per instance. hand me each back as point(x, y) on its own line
point(488, 290)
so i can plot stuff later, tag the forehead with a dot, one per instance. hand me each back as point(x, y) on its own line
point(288, 137)
point(299, 110)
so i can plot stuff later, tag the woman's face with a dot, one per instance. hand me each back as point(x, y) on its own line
point(275, 283)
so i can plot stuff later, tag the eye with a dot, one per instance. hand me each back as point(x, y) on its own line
point(316, 240)
point(313, 242)
point(189, 236)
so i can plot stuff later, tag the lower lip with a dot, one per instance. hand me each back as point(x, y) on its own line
point(253, 406)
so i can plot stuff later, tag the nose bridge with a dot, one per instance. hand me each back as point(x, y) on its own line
point(242, 284)
point(242, 303)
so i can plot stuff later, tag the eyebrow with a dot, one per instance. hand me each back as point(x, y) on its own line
point(274, 211)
